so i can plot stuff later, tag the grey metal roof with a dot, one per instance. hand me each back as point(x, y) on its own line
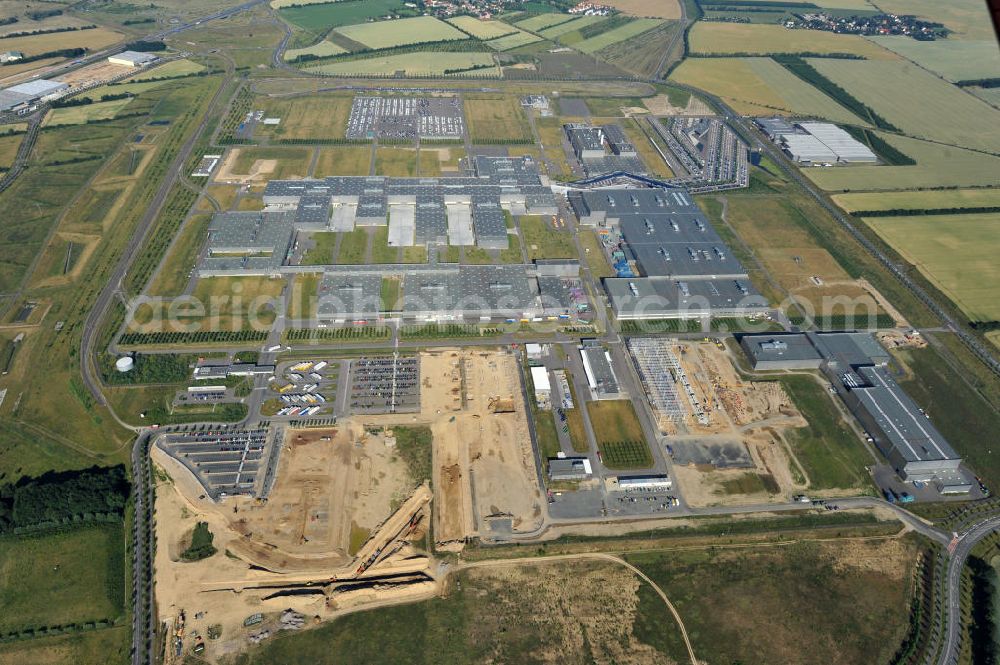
point(910, 432)
point(774, 348)
point(657, 297)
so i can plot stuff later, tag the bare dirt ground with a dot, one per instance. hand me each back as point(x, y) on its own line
point(94, 74)
point(660, 105)
point(322, 488)
point(303, 532)
point(259, 172)
point(755, 413)
point(483, 462)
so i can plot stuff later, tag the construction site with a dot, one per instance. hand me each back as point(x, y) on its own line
point(345, 524)
point(726, 432)
point(342, 527)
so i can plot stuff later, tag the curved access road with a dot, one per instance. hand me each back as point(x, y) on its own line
point(960, 551)
point(594, 556)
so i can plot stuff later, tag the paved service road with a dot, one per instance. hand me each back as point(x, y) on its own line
point(953, 585)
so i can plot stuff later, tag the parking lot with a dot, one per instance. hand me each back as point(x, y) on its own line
point(406, 118)
point(306, 389)
point(227, 462)
point(385, 384)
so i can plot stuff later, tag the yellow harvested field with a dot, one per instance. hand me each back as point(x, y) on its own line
point(926, 200)
point(669, 9)
point(760, 86)
point(482, 29)
point(421, 63)
point(765, 39)
point(916, 101)
point(955, 252)
point(320, 50)
point(401, 32)
point(94, 40)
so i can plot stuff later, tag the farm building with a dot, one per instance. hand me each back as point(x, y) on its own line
point(855, 364)
point(11, 56)
point(569, 468)
point(132, 58)
point(28, 93)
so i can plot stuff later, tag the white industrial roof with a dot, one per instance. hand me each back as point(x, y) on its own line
point(134, 56)
point(540, 377)
point(805, 147)
point(38, 87)
point(845, 146)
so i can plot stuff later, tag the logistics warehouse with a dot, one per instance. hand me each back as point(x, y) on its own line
point(855, 364)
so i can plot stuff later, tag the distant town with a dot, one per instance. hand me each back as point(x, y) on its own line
point(878, 24)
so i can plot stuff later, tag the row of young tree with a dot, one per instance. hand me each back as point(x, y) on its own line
point(58, 497)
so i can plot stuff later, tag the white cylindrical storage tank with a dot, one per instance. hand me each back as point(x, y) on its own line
point(124, 364)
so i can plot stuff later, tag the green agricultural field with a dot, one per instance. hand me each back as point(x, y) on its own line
point(319, 18)
point(170, 69)
point(731, 601)
point(81, 115)
point(955, 60)
point(320, 49)
point(343, 160)
point(544, 242)
point(322, 116)
point(916, 101)
point(421, 63)
point(496, 117)
point(760, 86)
point(830, 453)
point(402, 32)
point(767, 39)
point(60, 578)
point(513, 41)
point(958, 253)
point(482, 29)
point(560, 29)
point(630, 30)
point(937, 166)
point(926, 200)
point(543, 21)
point(989, 95)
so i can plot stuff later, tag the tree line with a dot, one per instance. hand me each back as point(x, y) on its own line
point(64, 496)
